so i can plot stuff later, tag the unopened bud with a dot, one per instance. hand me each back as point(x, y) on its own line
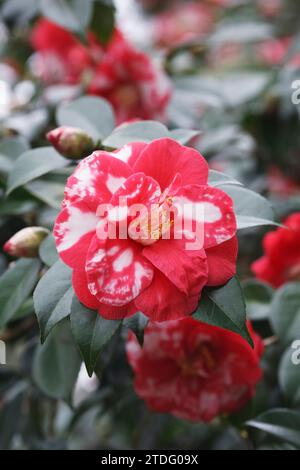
point(26, 242)
point(71, 142)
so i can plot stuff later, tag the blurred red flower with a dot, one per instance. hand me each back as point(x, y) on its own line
point(193, 370)
point(117, 71)
point(146, 270)
point(281, 260)
point(182, 23)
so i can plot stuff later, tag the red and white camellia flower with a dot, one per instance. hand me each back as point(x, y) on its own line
point(143, 231)
point(128, 78)
point(193, 370)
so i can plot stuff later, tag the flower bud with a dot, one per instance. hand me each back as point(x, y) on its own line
point(26, 242)
point(71, 142)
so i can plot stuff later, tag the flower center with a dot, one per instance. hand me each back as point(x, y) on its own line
point(201, 365)
point(127, 95)
point(152, 223)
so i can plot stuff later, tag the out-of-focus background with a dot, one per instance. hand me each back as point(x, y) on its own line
point(227, 73)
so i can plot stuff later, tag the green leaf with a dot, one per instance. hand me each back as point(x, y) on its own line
point(289, 376)
point(47, 251)
point(91, 332)
point(225, 307)
point(137, 323)
point(281, 423)
point(32, 164)
point(10, 150)
point(217, 179)
point(184, 136)
point(140, 131)
point(53, 297)
point(74, 15)
point(258, 296)
point(16, 284)
point(103, 20)
point(251, 209)
point(91, 114)
point(56, 363)
point(49, 192)
point(285, 312)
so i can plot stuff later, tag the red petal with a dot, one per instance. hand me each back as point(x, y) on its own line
point(186, 269)
point(74, 229)
point(129, 153)
point(116, 270)
point(221, 261)
point(163, 158)
point(198, 204)
point(96, 179)
point(162, 301)
point(80, 286)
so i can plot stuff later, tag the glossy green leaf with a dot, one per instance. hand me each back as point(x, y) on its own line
point(285, 312)
point(47, 251)
point(225, 307)
point(281, 423)
point(91, 114)
point(33, 164)
point(56, 363)
point(140, 131)
point(251, 209)
point(53, 297)
point(258, 296)
point(91, 332)
point(16, 284)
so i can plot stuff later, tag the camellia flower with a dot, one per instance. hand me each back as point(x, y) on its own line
point(118, 72)
point(125, 261)
point(193, 370)
point(182, 23)
point(281, 260)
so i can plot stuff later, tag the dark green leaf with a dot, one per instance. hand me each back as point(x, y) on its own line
point(280, 422)
point(53, 297)
point(225, 307)
point(251, 209)
point(91, 332)
point(285, 312)
point(48, 252)
point(56, 363)
point(32, 164)
point(258, 296)
point(10, 150)
point(103, 19)
point(16, 285)
point(137, 323)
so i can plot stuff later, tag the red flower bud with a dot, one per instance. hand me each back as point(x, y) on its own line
point(26, 242)
point(71, 142)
